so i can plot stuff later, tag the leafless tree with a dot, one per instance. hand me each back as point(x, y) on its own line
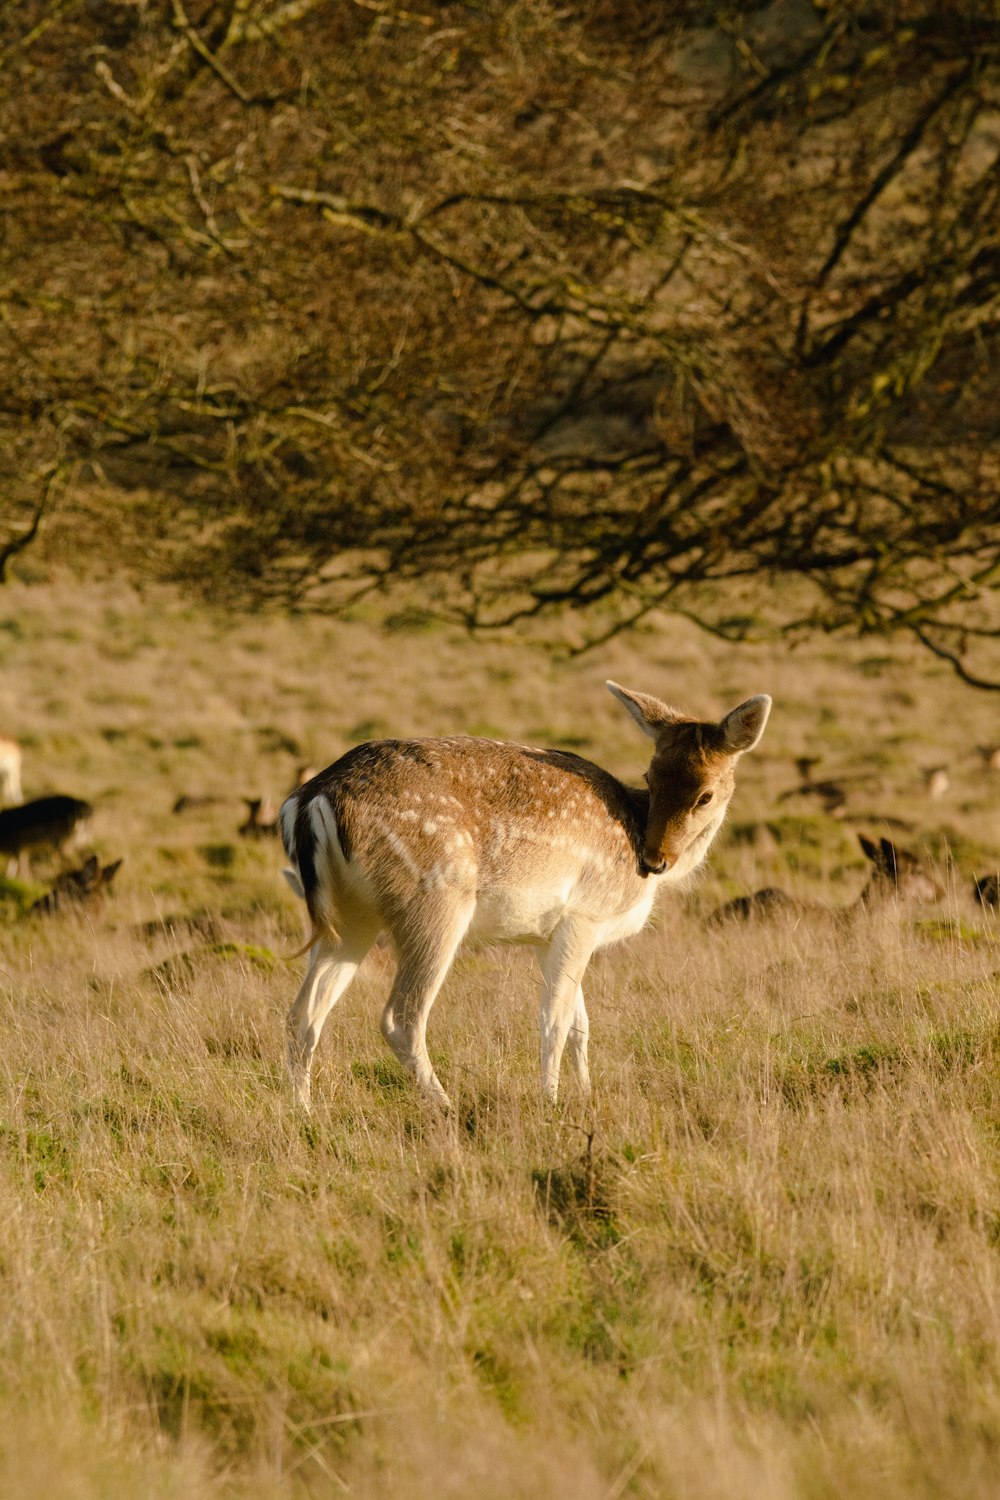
point(609, 306)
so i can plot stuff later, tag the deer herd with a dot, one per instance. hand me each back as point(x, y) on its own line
point(425, 843)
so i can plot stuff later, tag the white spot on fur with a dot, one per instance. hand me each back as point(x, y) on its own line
point(399, 848)
point(447, 873)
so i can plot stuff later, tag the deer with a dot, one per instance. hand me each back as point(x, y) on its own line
point(10, 770)
point(430, 841)
point(262, 819)
point(896, 875)
point(91, 880)
point(56, 823)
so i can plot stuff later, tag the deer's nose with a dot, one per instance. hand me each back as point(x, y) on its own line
point(655, 866)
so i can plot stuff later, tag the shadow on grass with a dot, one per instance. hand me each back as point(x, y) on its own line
point(577, 1199)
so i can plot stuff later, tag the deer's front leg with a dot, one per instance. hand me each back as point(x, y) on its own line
point(562, 1009)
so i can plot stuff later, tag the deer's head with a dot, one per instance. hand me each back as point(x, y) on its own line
point(691, 775)
point(897, 873)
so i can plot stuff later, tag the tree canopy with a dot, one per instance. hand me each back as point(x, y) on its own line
point(614, 305)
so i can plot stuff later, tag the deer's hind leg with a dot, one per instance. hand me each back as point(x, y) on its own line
point(332, 966)
point(425, 954)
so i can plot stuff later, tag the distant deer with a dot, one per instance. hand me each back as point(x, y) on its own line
point(896, 874)
point(196, 801)
point(262, 819)
point(10, 770)
point(54, 823)
point(432, 840)
point(831, 794)
point(77, 886)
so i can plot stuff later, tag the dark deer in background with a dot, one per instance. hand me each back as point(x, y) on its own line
point(55, 824)
point(74, 887)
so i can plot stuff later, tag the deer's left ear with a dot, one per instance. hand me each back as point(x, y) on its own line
point(742, 728)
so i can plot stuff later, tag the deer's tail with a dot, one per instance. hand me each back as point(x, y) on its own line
point(311, 841)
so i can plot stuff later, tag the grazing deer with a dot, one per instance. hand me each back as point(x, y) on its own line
point(10, 770)
point(54, 823)
point(196, 801)
point(432, 840)
point(896, 875)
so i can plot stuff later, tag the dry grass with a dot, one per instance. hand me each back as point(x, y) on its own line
point(764, 1263)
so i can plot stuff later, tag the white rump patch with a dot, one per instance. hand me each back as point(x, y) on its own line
point(324, 826)
point(287, 815)
point(328, 851)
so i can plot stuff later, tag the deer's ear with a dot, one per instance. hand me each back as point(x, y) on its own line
point(651, 714)
point(742, 728)
point(893, 856)
point(870, 850)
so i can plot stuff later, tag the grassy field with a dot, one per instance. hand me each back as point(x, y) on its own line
point(764, 1262)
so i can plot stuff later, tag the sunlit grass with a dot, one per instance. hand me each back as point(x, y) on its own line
point(762, 1261)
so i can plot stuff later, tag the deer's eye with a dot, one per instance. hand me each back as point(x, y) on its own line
point(704, 799)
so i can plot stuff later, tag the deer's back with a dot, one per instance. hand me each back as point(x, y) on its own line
point(523, 832)
point(46, 821)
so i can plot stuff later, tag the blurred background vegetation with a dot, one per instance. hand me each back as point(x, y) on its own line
point(612, 304)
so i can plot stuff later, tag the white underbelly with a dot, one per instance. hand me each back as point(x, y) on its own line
point(520, 914)
point(517, 914)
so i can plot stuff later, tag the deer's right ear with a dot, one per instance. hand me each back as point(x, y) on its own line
point(651, 714)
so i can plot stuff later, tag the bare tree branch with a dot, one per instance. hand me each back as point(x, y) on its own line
point(513, 309)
